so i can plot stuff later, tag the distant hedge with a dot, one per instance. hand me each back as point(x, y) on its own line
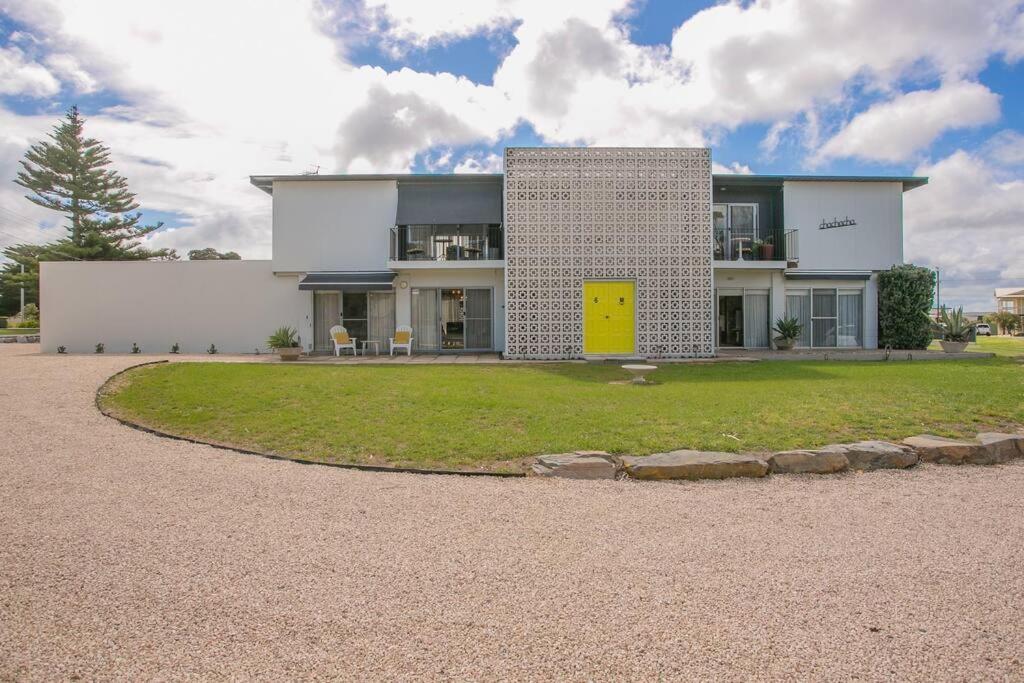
point(905, 295)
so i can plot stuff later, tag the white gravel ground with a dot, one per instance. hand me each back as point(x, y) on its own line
point(123, 555)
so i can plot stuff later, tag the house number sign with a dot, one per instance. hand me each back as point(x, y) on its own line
point(836, 223)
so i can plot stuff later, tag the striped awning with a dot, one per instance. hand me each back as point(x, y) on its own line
point(348, 281)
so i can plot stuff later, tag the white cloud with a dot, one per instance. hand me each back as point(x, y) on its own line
point(22, 76)
point(734, 168)
point(1006, 147)
point(491, 163)
point(895, 130)
point(967, 222)
point(67, 67)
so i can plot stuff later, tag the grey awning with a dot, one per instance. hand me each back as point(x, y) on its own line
point(828, 274)
point(349, 281)
point(465, 201)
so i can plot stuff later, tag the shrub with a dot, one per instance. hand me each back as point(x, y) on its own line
point(135, 348)
point(905, 294)
point(62, 349)
point(212, 350)
point(176, 348)
point(1003, 321)
point(100, 347)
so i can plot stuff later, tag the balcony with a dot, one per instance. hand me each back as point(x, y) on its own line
point(765, 245)
point(447, 243)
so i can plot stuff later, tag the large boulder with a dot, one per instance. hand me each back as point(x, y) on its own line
point(873, 455)
point(808, 462)
point(577, 465)
point(694, 465)
point(945, 451)
point(1002, 447)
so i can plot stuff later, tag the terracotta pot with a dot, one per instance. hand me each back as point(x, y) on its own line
point(290, 353)
point(953, 347)
point(767, 252)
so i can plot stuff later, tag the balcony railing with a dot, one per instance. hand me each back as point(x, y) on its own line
point(774, 244)
point(447, 243)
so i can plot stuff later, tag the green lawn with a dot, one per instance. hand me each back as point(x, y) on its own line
point(459, 416)
point(1001, 346)
point(17, 330)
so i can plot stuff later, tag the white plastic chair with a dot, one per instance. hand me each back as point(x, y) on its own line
point(342, 341)
point(401, 340)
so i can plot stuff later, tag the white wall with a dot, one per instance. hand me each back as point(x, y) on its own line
point(875, 243)
point(232, 304)
point(322, 225)
point(455, 278)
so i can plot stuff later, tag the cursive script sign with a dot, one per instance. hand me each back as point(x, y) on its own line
point(836, 223)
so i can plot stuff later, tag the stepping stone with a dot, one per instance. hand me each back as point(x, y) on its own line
point(873, 455)
point(945, 451)
point(687, 464)
point(808, 462)
point(1002, 447)
point(577, 465)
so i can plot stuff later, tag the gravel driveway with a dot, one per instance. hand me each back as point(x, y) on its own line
point(126, 555)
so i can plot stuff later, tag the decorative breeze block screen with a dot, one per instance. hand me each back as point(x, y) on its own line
point(574, 214)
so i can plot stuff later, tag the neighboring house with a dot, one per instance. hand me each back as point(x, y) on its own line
point(1011, 300)
point(572, 252)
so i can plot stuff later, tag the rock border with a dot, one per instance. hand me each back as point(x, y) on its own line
point(988, 448)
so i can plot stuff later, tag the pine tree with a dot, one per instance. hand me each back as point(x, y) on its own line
point(69, 173)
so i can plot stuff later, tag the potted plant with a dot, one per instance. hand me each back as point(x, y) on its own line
point(765, 249)
point(956, 331)
point(285, 342)
point(789, 330)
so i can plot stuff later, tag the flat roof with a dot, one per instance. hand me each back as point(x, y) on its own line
point(266, 182)
point(909, 182)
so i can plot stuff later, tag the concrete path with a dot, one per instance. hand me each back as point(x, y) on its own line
point(129, 556)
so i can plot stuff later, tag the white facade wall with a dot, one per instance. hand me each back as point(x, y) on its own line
point(333, 225)
point(875, 243)
point(234, 305)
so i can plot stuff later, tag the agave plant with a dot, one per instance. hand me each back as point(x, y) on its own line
point(953, 325)
point(283, 338)
point(788, 328)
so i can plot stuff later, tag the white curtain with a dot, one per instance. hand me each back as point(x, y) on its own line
point(851, 313)
point(326, 314)
point(755, 320)
point(478, 319)
point(824, 318)
point(799, 306)
point(382, 317)
point(425, 322)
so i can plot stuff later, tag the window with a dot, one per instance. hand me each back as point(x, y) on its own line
point(354, 314)
point(830, 317)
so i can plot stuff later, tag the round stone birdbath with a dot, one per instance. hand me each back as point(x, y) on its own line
point(640, 372)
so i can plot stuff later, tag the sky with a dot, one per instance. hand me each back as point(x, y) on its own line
point(195, 96)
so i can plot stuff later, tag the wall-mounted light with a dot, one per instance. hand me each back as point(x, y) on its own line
point(403, 284)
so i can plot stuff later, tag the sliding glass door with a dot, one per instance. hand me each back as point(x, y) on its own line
point(830, 317)
point(452, 319)
point(366, 315)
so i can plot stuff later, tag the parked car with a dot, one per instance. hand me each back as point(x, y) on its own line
point(983, 329)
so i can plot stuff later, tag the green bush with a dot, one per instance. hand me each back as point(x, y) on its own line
point(905, 295)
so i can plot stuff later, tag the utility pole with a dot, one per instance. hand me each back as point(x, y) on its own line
point(22, 312)
point(938, 291)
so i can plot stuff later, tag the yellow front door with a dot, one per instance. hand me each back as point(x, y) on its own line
point(608, 320)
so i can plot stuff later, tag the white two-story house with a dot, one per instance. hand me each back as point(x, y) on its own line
point(572, 252)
